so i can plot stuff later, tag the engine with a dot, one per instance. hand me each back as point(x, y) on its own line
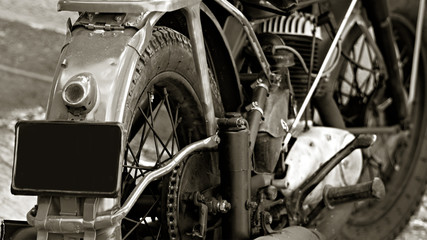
point(288, 43)
point(296, 31)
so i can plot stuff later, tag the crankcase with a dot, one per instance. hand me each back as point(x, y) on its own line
point(311, 149)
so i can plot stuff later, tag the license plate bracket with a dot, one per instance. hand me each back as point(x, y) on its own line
point(67, 158)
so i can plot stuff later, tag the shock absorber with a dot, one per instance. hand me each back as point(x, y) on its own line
point(235, 176)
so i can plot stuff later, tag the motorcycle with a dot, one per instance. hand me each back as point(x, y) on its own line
point(228, 120)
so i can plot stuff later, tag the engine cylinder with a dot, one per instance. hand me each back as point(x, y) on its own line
point(296, 31)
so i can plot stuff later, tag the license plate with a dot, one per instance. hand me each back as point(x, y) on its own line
point(67, 158)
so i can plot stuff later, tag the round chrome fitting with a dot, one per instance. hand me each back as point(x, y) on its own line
point(79, 93)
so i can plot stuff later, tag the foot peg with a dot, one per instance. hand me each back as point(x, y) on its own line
point(336, 195)
point(294, 203)
point(333, 196)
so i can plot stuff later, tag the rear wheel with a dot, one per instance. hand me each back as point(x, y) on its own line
point(399, 157)
point(164, 115)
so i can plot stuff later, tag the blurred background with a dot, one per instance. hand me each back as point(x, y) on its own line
point(31, 37)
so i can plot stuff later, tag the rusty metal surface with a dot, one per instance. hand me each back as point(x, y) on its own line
point(93, 52)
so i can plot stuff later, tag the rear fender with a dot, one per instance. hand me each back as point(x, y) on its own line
point(111, 57)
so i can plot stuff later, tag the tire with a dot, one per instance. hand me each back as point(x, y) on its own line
point(400, 159)
point(164, 114)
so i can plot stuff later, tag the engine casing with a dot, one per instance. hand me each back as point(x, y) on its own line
point(311, 149)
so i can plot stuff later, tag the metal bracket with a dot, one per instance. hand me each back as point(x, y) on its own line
point(106, 27)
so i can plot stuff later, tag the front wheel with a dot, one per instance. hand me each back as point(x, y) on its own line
point(400, 157)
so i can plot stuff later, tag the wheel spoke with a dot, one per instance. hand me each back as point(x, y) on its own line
point(351, 60)
point(172, 137)
point(365, 85)
point(135, 165)
point(361, 51)
point(173, 119)
point(156, 136)
point(142, 220)
point(150, 107)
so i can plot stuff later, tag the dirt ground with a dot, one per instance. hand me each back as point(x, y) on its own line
point(31, 36)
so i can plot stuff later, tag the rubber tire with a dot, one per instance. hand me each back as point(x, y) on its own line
point(168, 54)
point(405, 199)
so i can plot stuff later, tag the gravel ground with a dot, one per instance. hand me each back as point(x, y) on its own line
point(21, 98)
point(40, 14)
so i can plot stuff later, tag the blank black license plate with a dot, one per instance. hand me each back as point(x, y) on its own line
point(67, 158)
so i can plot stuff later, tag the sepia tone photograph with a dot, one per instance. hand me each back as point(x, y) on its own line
point(213, 119)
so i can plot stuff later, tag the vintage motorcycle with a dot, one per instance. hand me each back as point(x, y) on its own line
point(173, 119)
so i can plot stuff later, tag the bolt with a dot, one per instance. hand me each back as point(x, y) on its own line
point(118, 18)
point(64, 63)
point(271, 192)
point(217, 139)
point(33, 211)
point(224, 206)
point(240, 123)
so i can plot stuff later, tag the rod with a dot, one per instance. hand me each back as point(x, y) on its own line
point(416, 56)
point(320, 73)
point(374, 130)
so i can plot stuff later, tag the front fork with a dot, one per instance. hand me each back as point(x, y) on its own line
point(379, 15)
